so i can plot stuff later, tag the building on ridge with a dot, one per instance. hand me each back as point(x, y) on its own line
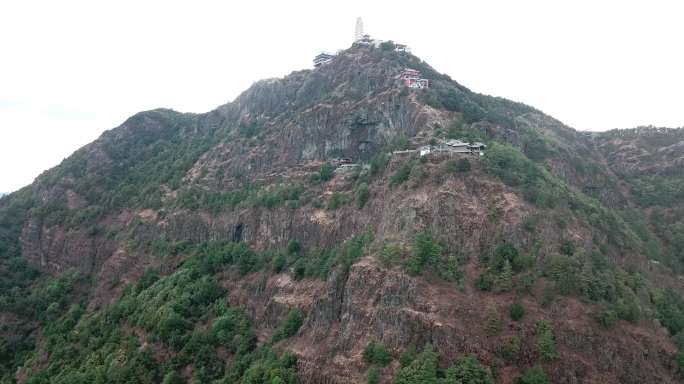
point(322, 58)
point(411, 78)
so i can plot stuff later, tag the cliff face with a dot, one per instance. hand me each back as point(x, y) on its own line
point(251, 171)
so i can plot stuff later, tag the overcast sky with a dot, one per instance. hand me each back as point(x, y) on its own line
point(71, 69)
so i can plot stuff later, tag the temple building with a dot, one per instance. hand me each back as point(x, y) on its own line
point(322, 58)
point(411, 78)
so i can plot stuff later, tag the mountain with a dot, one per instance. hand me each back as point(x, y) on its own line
point(292, 236)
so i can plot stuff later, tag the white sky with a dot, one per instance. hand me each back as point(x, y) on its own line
point(72, 69)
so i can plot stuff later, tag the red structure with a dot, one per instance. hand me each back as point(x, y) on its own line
point(411, 79)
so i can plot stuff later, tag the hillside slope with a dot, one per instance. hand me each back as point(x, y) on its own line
point(223, 247)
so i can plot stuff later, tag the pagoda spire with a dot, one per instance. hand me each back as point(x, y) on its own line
point(358, 32)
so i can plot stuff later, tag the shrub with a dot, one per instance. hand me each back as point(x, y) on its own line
point(548, 296)
point(401, 175)
point(517, 311)
point(325, 173)
point(149, 277)
point(279, 263)
point(534, 375)
point(293, 246)
point(373, 376)
point(173, 378)
point(628, 309)
point(530, 223)
point(387, 45)
point(463, 165)
point(375, 353)
point(249, 129)
point(567, 248)
point(484, 282)
point(289, 327)
point(362, 195)
point(680, 364)
point(457, 166)
point(378, 163)
point(275, 195)
point(338, 199)
point(606, 317)
point(391, 254)
point(400, 143)
point(299, 269)
point(503, 253)
point(525, 283)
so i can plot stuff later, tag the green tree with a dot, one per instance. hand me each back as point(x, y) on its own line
point(468, 370)
point(545, 341)
point(422, 370)
point(504, 282)
point(586, 282)
point(447, 267)
point(628, 308)
point(279, 263)
point(425, 252)
point(407, 357)
point(505, 252)
point(375, 353)
point(492, 322)
point(373, 376)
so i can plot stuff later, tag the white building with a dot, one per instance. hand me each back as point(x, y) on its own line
point(425, 150)
point(401, 48)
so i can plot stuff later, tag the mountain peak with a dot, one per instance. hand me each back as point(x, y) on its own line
point(302, 231)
